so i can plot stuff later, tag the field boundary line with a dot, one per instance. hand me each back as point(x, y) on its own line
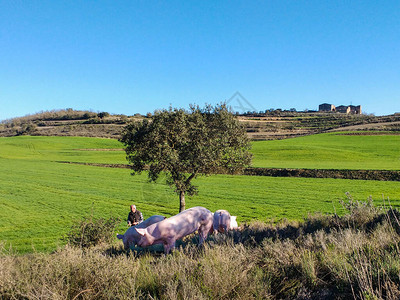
point(380, 175)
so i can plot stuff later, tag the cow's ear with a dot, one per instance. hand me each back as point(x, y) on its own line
point(120, 236)
point(141, 231)
point(234, 218)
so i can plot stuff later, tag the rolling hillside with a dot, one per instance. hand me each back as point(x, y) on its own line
point(267, 126)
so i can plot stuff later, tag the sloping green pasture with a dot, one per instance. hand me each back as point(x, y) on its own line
point(330, 151)
point(40, 197)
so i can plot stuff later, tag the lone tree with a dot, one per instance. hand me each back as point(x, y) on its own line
point(185, 144)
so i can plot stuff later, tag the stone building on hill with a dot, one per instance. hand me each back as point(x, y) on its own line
point(344, 109)
point(355, 109)
point(327, 107)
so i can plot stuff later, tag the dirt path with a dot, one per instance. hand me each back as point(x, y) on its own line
point(364, 126)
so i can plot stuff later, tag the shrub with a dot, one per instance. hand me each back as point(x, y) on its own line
point(91, 232)
point(27, 129)
point(103, 114)
point(88, 115)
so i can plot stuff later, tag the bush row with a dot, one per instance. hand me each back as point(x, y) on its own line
point(384, 175)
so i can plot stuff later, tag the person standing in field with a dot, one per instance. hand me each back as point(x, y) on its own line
point(135, 216)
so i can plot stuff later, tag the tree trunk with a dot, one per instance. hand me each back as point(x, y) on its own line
point(181, 201)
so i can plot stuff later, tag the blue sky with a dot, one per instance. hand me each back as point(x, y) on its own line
point(128, 57)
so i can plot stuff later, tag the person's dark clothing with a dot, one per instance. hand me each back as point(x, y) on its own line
point(135, 217)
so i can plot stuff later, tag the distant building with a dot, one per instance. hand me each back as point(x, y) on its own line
point(344, 109)
point(327, 107)
point(355, 109)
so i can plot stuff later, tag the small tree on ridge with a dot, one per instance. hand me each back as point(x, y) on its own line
point(185, 144)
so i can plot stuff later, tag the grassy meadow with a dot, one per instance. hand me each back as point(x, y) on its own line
point(40, 197)
point(330, 151)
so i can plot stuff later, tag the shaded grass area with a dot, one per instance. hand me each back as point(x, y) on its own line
point(354, 256)
point(40, 198)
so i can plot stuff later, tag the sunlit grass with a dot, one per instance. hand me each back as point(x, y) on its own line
point(40, 197)
point(330, 151)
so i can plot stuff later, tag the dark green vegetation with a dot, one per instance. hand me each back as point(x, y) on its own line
point(182, 145)
point(90, 232)
point(40, 198)
point(325, 257)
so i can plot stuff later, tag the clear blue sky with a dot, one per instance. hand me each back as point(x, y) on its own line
point(127, 57)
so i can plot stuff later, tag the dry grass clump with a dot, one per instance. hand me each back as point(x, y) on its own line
point(70, 273)
point(325, 257)
point(213, 272)
point(332, 257)
point(75, 273)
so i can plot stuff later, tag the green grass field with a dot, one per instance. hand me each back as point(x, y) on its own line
point(330, 151)
point(40, 197)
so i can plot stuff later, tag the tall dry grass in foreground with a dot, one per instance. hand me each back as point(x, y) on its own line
point(324, 257)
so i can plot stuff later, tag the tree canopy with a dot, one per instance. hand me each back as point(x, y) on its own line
point(185, 144)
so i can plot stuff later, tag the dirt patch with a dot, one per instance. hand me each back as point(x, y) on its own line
point(111, 149)
point(369, 126)
point(121, 166)
point(370, 133)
